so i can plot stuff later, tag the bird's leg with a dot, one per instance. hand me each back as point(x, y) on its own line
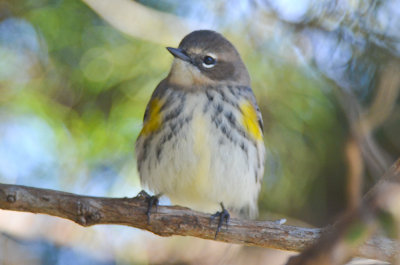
point(151, 202)
point(223, 215)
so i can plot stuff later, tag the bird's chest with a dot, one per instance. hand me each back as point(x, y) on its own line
point(199, 131)
point(197, 136)
point(191, 152)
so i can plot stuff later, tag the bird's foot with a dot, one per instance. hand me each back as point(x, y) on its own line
point(222, 215)
point(152, 201)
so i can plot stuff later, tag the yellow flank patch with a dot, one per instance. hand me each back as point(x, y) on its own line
point(250, 120)
point(153, 122)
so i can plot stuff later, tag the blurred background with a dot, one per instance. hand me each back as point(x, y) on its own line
point(75, 77)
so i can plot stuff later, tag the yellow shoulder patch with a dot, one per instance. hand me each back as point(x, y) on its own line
point(250, 120)
point(154, 120)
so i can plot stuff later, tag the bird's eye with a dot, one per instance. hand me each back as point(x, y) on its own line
point(208, 61)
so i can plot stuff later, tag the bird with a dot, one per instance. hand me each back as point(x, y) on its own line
point(202, 144)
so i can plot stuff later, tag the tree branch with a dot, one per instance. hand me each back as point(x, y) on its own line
point(170, 220)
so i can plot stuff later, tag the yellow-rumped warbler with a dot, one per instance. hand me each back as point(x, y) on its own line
point(202, 139)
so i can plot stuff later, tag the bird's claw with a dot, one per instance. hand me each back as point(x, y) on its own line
point(152, 201)
point(223, 215)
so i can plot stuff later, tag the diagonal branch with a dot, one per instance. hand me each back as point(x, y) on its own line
point(169, 220)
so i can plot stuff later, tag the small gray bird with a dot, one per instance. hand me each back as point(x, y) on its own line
point(202, 139)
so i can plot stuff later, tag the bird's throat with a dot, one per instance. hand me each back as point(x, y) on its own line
point(187, 76)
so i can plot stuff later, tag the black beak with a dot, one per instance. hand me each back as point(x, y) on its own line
point(179, 53)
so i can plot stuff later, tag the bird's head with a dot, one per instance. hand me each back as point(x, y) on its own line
point(205, 57)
